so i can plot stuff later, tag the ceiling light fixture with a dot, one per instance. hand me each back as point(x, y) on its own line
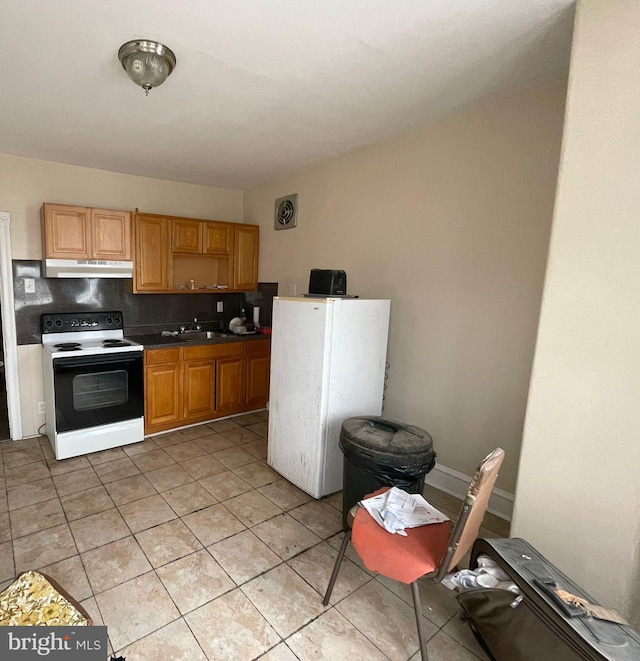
point(147, 63)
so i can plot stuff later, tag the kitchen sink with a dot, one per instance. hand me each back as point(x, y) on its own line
point(198, 336)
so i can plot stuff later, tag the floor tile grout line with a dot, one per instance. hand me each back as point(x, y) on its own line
point(455, 615)
point(181, 615)
point(248, 527)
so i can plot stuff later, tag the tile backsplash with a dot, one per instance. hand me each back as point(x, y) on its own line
point(142, 313)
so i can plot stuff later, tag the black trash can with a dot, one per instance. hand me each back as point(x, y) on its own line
point(379, 453)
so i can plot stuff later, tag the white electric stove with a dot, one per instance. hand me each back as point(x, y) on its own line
point(93, 382)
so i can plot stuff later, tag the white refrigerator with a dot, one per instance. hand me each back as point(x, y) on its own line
point(328, 358)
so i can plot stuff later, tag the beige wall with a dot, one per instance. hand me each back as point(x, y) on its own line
point(578, 495)
point(451, 222)
point(26, 183)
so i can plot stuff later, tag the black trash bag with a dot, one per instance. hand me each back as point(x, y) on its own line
point(379, 452)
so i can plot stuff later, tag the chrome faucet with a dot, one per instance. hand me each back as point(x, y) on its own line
point(195, 327)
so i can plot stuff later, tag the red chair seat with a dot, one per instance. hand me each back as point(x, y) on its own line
point(403, 559)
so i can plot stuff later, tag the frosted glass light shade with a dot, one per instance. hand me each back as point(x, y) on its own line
point(147, 63)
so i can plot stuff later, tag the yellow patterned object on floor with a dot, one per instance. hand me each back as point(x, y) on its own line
point(32, 600)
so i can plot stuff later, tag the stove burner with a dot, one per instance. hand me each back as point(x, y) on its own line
point(115, 343)
point(67, 346)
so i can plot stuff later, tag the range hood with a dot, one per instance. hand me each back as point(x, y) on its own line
point(86, 268)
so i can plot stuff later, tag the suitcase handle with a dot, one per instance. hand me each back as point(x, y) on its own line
point(549, 588)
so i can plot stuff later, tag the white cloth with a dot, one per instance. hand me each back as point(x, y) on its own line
point(487, 575)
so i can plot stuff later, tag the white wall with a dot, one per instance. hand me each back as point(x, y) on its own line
point(451, 222)
point(26, 183)
point(578, 493)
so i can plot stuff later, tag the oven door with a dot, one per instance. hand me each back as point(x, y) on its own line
point(98, 390)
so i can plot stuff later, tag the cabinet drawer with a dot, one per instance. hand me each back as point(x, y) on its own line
point(214, 350)
point(258, 347)
point(162, 356)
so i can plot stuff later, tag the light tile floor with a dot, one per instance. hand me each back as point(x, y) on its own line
point(188, 546)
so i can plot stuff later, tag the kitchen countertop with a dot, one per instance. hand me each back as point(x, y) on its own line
point(162, 342)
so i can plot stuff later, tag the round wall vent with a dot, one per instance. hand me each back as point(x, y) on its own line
point(286, 214)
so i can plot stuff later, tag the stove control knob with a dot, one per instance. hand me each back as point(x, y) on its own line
point(109, 320)
point(48, 323)
point(58, 323)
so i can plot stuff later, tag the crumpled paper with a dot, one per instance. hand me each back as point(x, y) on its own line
point(396, 510)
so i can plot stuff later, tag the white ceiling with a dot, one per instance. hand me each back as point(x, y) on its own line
point(261, 87)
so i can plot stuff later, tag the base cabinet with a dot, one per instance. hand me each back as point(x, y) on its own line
point(187, 385)
point(230, 385)
point(257, 374)
point(163, 388)
point(199, 393)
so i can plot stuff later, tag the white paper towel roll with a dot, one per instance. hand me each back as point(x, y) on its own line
point(256, 316)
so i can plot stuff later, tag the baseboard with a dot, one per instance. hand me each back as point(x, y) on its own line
point(456, 484)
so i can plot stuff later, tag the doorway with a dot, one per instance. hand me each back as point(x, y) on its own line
point(10, 398)
point(4, 412)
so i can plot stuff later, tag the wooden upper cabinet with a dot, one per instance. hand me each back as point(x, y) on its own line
point(151, 271)
point(111, 234)
point(245, 257)
point(217, 238)
point(201, 237)
point(72, 232)
point(171, 251)
point(66, 232)
point(186, 236)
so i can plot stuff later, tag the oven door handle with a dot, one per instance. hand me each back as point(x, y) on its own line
point(101, 359)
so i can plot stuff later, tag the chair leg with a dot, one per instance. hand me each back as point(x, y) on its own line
point(418, 609)
point(336, 567)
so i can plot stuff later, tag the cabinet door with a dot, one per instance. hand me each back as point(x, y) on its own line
point(257, 380)
point(218, 238)
point(199, 379)
point(163, 395)
point(229, 384)
point(111, 234)
point(66, 232)
point(186, 236)
point(245, 257)
point(152, 253)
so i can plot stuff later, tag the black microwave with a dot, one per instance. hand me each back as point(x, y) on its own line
point(328, 282)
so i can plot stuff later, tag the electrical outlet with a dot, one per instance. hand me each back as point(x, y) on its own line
point(219, 306)
point(29, 286)
point(292, 289)
point(40, 408)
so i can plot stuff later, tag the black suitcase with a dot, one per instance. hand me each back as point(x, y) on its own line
point(537, 627)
